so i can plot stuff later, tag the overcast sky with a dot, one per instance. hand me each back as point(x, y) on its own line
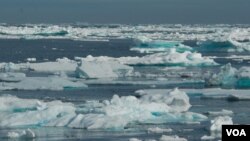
point(125, 11)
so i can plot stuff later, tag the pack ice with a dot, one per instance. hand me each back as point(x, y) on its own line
point(171, 57)
point(117, 113)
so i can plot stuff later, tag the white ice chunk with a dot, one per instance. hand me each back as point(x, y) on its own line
point(223, 112)
point(102, 69)
point(216, 127)
point(229, 76)
point(244, 72)
point(176, 99)
point(116, 113)
point(226, 76)
point(217, 93)
point(25, 134)
point(134, 139)
point(237, 34)
point(12, 77)
point(171, 138)
point(172, 57)
point(42, 83)
point(31, 59)
point(31, 112)
point(63, 64)
point(159, 130)
point(120, 111)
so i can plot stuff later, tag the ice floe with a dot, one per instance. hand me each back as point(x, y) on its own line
point(103, 69)
point(223, 112)
point(159, 130)
point(12, 77)
point(172, 58)
point(31, 59)
point(145, 45)
point(229, 76)
point(25, 134)
point(134, 139)
point(116, 113)
point(39, 83)
point(216, 127)
point(171, 138)
point(214, 93)
point(235, 40)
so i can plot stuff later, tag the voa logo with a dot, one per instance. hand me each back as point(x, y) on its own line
point(236, 132)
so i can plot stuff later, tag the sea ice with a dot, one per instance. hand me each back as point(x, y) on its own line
point(216, 127)
point(146, 45)
point(215, 93)
point(159, 130)
point(103, 69)
point(229, 77)
point(172, 57)
point(41, 83)
point(12, 77)
point(223, 112)
point(171, 138)
point(134, 139)
point(116, 113)
point(25, 134)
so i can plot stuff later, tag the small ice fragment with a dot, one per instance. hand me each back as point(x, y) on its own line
point(134, 139)
point(28, 133)
point(31, 59)
point(216, 127)
point(13, 135)
point(158, 130)
point(223, 112)
point(172, 138)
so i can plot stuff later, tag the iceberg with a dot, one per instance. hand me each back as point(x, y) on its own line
point(115, 114)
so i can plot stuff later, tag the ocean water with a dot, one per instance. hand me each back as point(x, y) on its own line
point(163, 57)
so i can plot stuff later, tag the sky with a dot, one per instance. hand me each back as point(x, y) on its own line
point(125, 11)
